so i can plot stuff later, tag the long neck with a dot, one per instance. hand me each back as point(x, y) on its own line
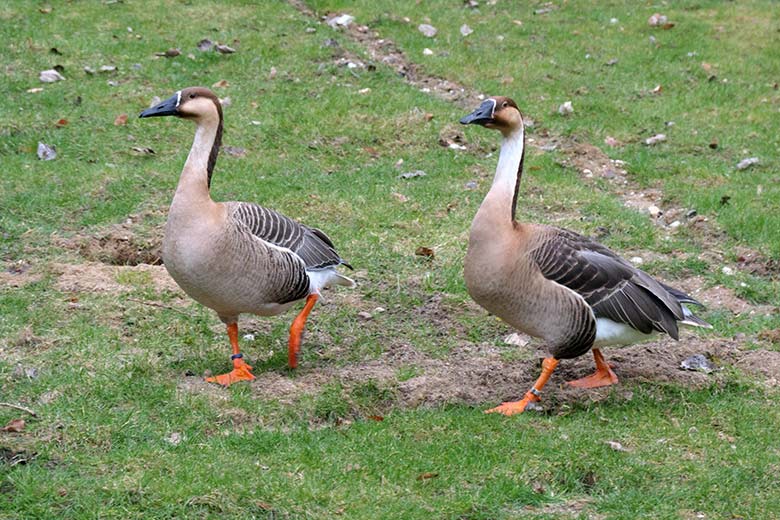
point(506, 182)
point(195, 179)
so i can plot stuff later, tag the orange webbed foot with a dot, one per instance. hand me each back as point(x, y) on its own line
point(514, 407)
point(241, 372)
point(602, 377)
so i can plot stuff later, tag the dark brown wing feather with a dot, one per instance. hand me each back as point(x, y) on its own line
point(312, 245)
point(612, 287)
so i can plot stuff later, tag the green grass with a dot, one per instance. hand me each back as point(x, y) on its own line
point(113, 372)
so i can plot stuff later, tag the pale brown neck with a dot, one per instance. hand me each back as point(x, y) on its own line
point(195, 179)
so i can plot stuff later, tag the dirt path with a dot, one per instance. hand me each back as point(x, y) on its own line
point(588, 160)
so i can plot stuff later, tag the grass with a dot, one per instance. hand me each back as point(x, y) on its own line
point(110, 390)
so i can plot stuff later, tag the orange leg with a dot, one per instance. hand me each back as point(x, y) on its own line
point(604, 376)
point(241, 371)
point(296, 330)
point(511, 408)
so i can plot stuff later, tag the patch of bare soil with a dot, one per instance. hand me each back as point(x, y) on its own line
point(127, 243)
point(18, 274)
point(486, 374)
point(719, 297)
point(98, 277)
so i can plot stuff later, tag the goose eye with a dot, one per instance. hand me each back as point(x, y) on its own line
point(504, 104)
point(192, 96)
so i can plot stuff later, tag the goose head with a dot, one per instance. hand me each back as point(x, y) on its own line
point(195, 103)
point(498, 112)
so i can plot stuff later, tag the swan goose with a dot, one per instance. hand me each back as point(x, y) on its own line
point(238, 257)
point(573, 293)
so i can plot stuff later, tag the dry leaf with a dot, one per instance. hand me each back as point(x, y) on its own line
point(14, 426)
point(46, 152)
point(425, 251)
point(170, 53)
point(400, 197)
point(143, 150)
point(612, 142)
point(465, 30)
point(377, 418)
point(272, 73)
point(60, 123)
point(120, 120)
point(44, 10)
point(50, 76)
point(221, 84)
point(427, 475)
point(224, 49)
point(34, 90)
point(107, 68)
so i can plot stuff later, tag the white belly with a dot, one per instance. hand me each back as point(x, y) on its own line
point(610, 332)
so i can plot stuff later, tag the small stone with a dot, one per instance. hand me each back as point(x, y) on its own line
point(636, 260)
point(657, 19)
point(174, 438)
point(675, 224)
point(654, 211)
point(728, 271)
point(411, 175)
point(363, 315)
point(46, 152)
point(658, 138)
point(565, 109)
point(699, 362)
point(747, 163)
point(616, 446)
point(50, 76)
point(224, 49)
point(428, 30)
point(471, 185)
point(249, 337)
point(340, 21)
point(205, 45)
point(427, 52)
point(691, 213)
point(516, 339)
point(465, 30)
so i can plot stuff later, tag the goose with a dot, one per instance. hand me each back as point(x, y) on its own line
point(554, 284)
point(238, 257)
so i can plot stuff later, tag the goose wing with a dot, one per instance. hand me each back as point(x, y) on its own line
point(310, 244)
point(612, 287)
